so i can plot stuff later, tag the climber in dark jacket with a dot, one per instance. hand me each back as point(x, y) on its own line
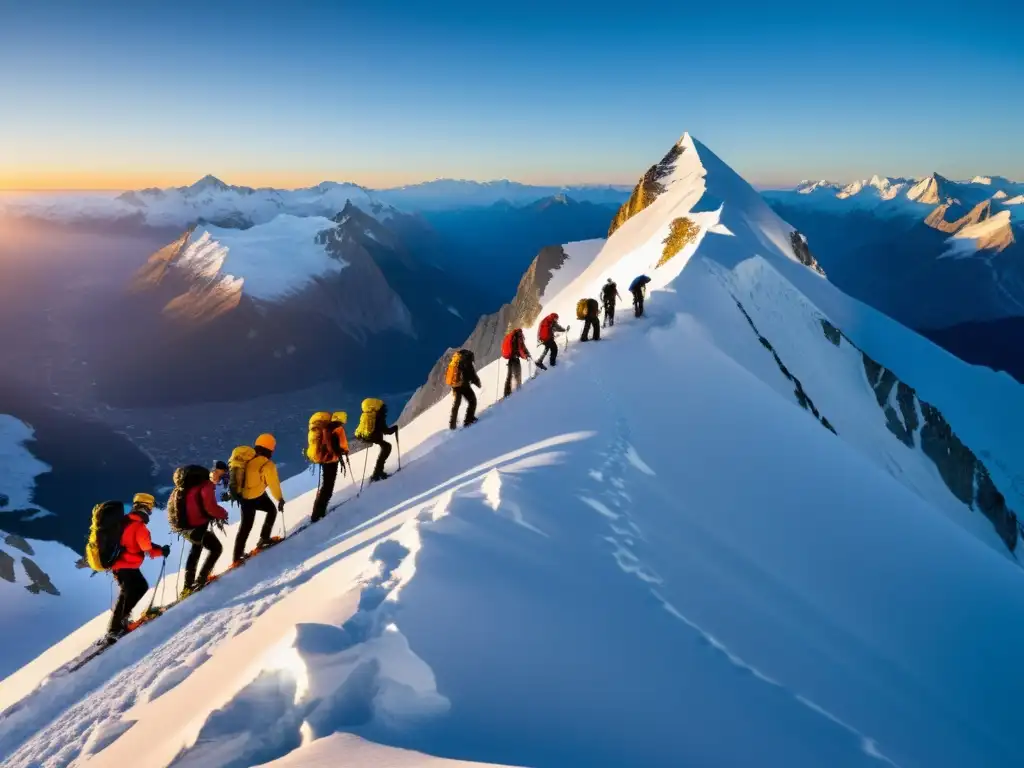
point(381, 428)
point(592, 321)
point(609, 294)
point(639, 290)
point(464, 390)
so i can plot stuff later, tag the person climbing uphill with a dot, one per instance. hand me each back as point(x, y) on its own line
point(372, 428)
point(587, 311)
point(461, 376)
point(546, 335)
point(202, 509)
point(609, 293)
point(258, 474)
point(513, 349)
point(639, 290)
point(136, 544)
point(328, 447)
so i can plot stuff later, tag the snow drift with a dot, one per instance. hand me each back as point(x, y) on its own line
point(707, 540)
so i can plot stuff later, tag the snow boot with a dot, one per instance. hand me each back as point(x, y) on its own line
point(469, 422)
point(541, 365)
point(381, 476)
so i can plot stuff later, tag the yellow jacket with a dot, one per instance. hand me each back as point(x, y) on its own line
point(261, 474)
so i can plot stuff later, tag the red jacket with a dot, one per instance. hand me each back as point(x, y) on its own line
point(201, 505)
point(135, 544)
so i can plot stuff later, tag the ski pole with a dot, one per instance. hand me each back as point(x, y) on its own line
point(163, 567)
point(366, 459)
point(181, 556)
point(398, 447)
point(284, 528)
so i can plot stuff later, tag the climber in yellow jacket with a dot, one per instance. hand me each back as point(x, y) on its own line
point(260, 476)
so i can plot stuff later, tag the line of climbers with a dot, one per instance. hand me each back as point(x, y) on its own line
point(120, 542)
point(461, 373)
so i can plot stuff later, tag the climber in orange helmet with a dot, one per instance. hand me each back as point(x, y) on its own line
point(260, 476)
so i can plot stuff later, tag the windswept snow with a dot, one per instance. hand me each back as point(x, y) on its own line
point(651, 555)
point(269, 260)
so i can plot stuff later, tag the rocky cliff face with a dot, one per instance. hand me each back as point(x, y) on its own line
point(918, 423)
point(485, 340)
point(647, 189)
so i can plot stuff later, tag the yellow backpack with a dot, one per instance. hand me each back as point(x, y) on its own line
point(319, 449)
point(368, 419)
point(453, 376)
point(240, 458)
point(581, 309)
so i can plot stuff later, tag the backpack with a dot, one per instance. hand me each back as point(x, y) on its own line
point(453, 376)
point(581, 309)
point(544, 332)
point(319, 450)
point(608, 292)
point(240, 458)
point(368, 419)
point(104, 544)
point(511, 346)
point(185, 479)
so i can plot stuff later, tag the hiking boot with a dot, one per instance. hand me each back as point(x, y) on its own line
point(541, 366)
point(265, 543)
point(468, 422)
point(381, 476)
point(116, 633)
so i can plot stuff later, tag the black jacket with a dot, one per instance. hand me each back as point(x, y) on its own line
point(593, 308)
point(468, 370)
point(610, 293)
point(380, 427)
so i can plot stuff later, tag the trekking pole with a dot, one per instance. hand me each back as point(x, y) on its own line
point(181, 556)
point(366, 459)
point(163, 567)
point(398, 447)
point(284, 528)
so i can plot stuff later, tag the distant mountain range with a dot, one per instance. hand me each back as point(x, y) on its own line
point(210, 200)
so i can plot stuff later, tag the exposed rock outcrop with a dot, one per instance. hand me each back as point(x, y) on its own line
point(6, 567)
point(798, 392)
point(485, 340)
point(647, 189)
point(683, 231)
point(803, 252)
point(16, 541)
point(937, 218)
point(963, 473)
point(40, 580)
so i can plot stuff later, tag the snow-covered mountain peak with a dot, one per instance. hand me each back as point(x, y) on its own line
point(209, 183)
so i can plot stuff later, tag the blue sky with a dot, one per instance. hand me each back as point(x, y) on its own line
point(110, 94)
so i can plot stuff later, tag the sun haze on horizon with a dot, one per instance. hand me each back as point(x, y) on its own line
point(115, 95)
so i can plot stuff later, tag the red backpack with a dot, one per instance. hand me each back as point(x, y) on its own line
point(544, 332)
point(509, 345)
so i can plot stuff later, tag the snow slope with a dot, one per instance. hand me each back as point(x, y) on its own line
point(652, 555)
point(268, 261)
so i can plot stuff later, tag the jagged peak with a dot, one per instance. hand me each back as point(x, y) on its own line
point(209, 181)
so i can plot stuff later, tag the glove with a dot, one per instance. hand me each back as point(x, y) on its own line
point(280, 505)
point(166, 550)
point(225, 496)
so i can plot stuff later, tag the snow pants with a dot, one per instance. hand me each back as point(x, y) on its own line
point(549, 346)
point(201, 538)
point(591, 323)
point(515, 371)
point(638, 303)
point(609, 314)
point(465, 391)
point(249, 509)
point(133, 586)
point(328, 475)
point(382, 457)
